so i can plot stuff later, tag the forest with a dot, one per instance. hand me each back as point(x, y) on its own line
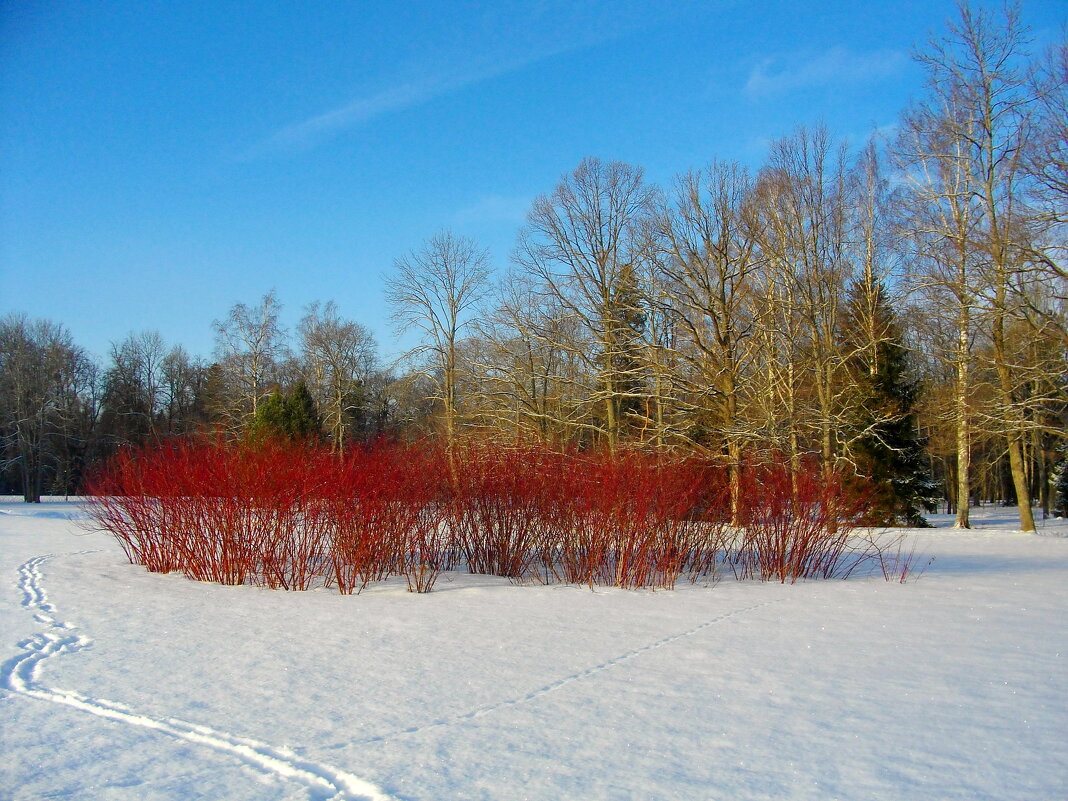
point(893, 311)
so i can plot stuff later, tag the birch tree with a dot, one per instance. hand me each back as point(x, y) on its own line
point(803, 205)
point(249, 344)
point(338, 357)
point(435, 289)
point(972, 135)
point(942, 218)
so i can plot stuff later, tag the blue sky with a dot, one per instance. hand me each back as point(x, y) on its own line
point(160, 161)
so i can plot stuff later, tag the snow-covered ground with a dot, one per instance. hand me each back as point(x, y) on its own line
point(120, 684)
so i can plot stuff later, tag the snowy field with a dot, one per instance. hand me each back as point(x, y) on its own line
point(120, 684)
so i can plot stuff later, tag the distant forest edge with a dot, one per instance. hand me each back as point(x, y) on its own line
point(895, 312)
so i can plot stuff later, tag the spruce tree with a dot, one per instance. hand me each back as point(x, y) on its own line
point(1060, 488)
point(301, 416)
point(269, 420)
point(290, 415)
point(889, 449)
point(625, 323)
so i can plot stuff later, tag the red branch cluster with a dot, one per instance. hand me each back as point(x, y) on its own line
point(293, 516)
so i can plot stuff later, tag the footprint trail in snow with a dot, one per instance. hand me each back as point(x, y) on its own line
point(562, 682)
point(20, 674)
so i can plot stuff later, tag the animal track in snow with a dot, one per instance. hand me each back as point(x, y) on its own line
point(19, 675)
point(573, 677)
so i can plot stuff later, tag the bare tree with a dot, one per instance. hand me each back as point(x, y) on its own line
point(803, 204)
point(42, 383)
point(966, 147)
point(184, 378)
point(435, 289)
point(249, 344)
point(1045, 165)
point(874, 253)
point(134, 388)
point(583, 247)
point(338, 356)
point(1046, 160)
point(941, 221)
point(709, 250)
point(75, 427)
point(669, 403)
point(533, 382)
point(150, 391)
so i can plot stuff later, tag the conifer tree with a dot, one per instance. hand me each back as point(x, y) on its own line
point(1060, 488)
point(289, 415)
point(301, 416)
point(269, 420)
point(625, 322)
point(888, 448)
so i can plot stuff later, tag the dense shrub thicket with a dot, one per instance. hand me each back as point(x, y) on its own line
point(293, 516)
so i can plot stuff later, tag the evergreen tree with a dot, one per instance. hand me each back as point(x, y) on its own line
point(269, 420)
point(1060, 489)
point(625, 322)
point(290, 415)
point(889, 450)
point(301, 416)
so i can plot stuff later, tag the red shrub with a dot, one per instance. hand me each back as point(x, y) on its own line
point(633, 520)
point(287, 515)
point(230, 514)
point(388, 518)
point(795, 524)
point(497, 504)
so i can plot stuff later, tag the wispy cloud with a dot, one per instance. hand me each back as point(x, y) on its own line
point(837, 66)
point(361, 110)
point(307, 133)
point(502, 43)
point(494, 209)
point(310, 132)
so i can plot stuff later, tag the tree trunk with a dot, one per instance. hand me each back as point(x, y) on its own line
point(1013, 422)
point(963, 433)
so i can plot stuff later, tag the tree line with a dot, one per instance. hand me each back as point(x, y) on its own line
point(895, 311)
point(62, 413)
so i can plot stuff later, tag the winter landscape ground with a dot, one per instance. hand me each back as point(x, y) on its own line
point(121, 684)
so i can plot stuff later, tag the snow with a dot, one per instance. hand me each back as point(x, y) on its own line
point(120, 684)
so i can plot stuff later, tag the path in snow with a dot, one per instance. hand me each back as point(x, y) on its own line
point(19, 675)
